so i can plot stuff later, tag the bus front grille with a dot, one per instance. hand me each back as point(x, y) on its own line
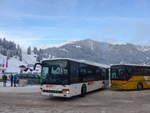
point(52, 91)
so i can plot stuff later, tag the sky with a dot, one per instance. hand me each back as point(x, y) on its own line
point(45, 22)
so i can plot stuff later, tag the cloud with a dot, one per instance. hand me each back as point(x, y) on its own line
point(26, 38)
point(30, 22)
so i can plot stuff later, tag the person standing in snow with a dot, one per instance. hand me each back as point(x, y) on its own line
point(11, 79)
point(15, 79)
point(4, 80)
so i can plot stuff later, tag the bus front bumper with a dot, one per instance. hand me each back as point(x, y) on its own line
point(56, 94)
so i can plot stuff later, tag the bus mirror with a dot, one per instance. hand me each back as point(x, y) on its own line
point(36, 65)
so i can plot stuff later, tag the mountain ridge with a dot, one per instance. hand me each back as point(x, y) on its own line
point(101, 52)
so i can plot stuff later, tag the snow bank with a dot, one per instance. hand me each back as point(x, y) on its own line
point(27, 89)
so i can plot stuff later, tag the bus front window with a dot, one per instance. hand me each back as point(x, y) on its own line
point(56, 72)
point(114, 74)
point(45, 71)
point(118, 74)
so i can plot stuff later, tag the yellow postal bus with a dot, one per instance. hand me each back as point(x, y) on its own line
point(129, 77)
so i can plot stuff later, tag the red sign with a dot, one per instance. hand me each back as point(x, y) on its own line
point(49, 86)
point(90, 83)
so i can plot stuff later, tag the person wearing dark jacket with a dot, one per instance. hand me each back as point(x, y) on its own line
point(15, 79)
point(4, 80)
point(11, 80)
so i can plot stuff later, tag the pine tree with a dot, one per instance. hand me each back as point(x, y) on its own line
point(35, 50)
point(39, 57)
point(29, 50)
point(9, 48)
point(20, 55)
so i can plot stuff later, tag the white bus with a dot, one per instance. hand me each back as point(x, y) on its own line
point(69, 77)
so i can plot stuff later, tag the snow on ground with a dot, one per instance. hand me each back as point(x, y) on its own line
point(143, 48)
point(78, 46)
point(28, 59)
point(2, 62)
point(65, 50)
point(113, 43)
point(14, 62)
point(26, 89)
point(13, 65)
point(2, 59)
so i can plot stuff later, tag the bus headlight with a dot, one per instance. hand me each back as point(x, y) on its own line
point(66, 91)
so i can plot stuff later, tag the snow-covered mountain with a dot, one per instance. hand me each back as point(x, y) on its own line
point(101, 52)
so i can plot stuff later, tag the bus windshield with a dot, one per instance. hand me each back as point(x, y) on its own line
point(119, 74)
point(55, 72)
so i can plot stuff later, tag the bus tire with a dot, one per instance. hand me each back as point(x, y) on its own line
point(83, 90)
point(139, 86)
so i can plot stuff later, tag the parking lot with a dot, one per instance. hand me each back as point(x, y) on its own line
point(104, 101)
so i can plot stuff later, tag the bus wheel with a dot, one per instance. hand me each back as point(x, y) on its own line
point(139, 86)
point(83, 90)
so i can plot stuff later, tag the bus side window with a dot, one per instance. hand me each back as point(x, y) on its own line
point(74, 72)
point(87, 72)
point(129, 71)
point(98, 74)
point(147, 71)
point(123, 75)
point(83, 72)
point(107, 74)
point(104, 74)
point(90, 74)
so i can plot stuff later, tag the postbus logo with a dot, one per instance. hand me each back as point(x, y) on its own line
point(50, 86)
